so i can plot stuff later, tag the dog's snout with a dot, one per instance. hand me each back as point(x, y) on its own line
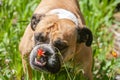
point(44, 57)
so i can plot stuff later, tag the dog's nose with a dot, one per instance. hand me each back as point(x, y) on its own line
point(44, 57)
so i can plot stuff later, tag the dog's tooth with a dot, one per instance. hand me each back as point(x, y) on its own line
point(39, 63)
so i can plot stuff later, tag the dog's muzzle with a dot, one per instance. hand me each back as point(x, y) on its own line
point(45, 57)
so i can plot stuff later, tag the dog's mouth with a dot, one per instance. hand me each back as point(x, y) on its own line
point(40, 62)
point(43, 57)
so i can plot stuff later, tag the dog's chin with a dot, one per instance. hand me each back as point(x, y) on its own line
point(49, 62)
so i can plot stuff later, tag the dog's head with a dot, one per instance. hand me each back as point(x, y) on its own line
point(51, 35)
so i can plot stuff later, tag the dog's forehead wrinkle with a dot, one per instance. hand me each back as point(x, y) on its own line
point(46, 26)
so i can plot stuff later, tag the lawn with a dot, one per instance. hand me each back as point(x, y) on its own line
point(16, 14)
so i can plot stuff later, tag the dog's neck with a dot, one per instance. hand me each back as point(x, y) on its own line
point(65, 14)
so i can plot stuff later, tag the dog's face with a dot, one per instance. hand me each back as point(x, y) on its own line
point(52, 35)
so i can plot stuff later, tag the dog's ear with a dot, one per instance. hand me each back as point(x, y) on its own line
point(35, 19)
point(84, 35)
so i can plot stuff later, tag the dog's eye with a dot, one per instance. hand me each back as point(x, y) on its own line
point(60, 45)
point(39, 37)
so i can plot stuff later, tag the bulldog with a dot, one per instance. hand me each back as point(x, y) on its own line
point(56, 34)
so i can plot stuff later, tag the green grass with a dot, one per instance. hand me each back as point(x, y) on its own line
point(16, 14)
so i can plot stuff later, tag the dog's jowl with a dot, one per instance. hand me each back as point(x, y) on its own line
point(56, 27)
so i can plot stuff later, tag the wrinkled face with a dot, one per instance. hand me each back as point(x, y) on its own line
point(50, 36)
point(61, 34)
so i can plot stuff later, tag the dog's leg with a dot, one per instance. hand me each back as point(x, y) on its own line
point(88, 72)
point(84, 59)
point(24, 63)
point(26, 67)
point(29, 72)
point(87, 64)
point(25, 48)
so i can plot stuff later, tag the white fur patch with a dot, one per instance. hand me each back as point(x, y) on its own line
point(65, 14)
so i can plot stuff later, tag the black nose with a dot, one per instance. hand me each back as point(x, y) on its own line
point(53, 64)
